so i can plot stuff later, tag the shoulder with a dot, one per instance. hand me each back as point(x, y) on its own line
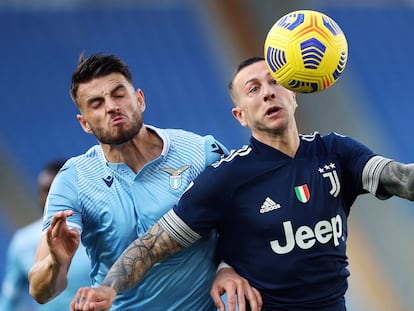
point(186, 138)
point(234, 157)
point(90, 161)
point(191, 146)
point(233, 167)
point(318, 137)
point(94, 153)
point(180, 133)
point(78, 172)
point(229, 172)
point(332, 141)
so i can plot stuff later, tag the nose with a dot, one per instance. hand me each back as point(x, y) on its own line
point(269, 94)
point(268, 89)
point(111, 105)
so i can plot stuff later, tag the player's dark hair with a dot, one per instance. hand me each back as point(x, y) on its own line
point(96, 66)
point(246, 62)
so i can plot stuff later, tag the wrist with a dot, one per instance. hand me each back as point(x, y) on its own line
point(222, 265)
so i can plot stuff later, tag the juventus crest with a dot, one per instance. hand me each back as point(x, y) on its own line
point(329, 171)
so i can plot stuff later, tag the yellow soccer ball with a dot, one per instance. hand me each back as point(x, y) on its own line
point(306, 51)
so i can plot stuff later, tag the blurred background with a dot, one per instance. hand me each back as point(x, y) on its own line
point(182, 54)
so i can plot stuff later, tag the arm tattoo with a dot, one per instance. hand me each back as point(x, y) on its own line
point(154, 246)
point(398, 179)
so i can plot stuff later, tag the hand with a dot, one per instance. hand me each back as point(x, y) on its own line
point(238, 291)
point(93, 299)
point(62, 241)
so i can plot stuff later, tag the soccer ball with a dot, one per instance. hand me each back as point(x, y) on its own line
point(306, 51)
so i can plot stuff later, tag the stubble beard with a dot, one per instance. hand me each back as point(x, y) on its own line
point(120, 136)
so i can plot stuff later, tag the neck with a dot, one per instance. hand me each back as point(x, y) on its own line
point(286, 142)
point(143, 148)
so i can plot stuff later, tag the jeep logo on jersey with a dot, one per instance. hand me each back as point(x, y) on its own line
point(329, 171)
point(305, 237)
point(175, 175)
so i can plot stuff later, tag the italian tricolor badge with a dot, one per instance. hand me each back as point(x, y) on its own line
point(302, 193)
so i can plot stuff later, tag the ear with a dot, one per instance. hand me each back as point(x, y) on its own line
point(84, 124)
point(239, 115)
point(294, 98)
point(141, 99)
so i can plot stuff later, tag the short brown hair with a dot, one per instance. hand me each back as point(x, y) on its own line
point(95, 66)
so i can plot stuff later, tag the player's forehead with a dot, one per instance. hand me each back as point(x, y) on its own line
point(101, 85)
point(254, 72)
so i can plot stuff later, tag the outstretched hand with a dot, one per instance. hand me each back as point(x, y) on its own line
point(93, 299)
point(62, 241)
point(238, 291)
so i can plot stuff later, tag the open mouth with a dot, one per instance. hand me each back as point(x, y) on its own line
point(272, 110)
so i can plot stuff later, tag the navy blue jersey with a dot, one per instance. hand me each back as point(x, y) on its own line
point(282, 222)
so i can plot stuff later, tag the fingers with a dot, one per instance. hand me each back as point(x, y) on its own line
point(239, 292)
point(93, 299)
point(248, 296)
point(83, 304)
point(232, 302)
point(234, 291)
point(215, 294)
point(80, 301)
point(58, 227)
point(230, 289)
point(58, 222)
point(60, 216)
point(254, 298)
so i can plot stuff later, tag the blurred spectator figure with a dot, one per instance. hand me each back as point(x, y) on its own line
point(20, 255)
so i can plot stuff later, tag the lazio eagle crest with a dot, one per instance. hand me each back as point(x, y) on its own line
point(175, 175)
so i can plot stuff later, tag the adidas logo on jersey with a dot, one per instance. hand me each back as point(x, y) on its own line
point(269, 205)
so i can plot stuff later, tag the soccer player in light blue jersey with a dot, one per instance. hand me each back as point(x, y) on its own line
point(20, 255)
point(119, 189)
point(280, 206)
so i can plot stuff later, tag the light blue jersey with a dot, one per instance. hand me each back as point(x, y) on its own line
point(20, 256)
point(113, 206)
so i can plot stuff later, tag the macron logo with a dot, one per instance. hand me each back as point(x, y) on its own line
point(269, 205)
point(108, 180)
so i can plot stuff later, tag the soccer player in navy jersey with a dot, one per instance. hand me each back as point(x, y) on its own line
point(279, 204)
point(119, 189)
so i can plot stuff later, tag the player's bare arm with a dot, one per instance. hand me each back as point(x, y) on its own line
point(139, 257)
point(48, 275)
point(397, 179)
point(154, 246)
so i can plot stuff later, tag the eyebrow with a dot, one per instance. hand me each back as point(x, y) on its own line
point(95, 98)
point(256, 79)
point(251, 80)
